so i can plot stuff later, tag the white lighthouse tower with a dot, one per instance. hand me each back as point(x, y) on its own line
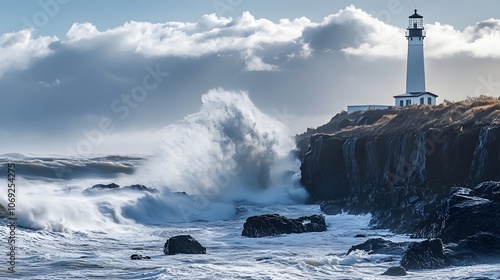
point(415, 70)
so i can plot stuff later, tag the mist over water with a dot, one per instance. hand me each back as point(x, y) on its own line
point(207, 163)
point(226, 152)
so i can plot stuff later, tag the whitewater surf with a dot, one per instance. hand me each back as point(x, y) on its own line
point(212, 170)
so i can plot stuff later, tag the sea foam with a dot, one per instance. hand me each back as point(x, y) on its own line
point(227, 152)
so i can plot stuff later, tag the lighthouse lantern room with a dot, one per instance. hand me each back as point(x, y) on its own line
point(415, 70)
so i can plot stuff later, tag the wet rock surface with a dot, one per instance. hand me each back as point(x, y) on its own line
point(432, 172)
point(274, 224)
point(183, 244)
point(428, 254)
point(379, 246)
point(395, 271)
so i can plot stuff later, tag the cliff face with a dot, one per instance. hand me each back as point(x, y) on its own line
point(401, 164)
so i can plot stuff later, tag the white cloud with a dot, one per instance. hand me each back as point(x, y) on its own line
point(256, 40)
point(211, 35)
point(480, 40)
point(18, 49)
point(376, 39)
point(62, 82)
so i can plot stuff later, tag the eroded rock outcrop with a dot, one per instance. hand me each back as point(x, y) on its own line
point(402, 165)
point(379, 246)
point(474, 249)
point(274, 224)
point(428, 254)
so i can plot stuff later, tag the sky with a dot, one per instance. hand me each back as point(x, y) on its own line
point(72, 69)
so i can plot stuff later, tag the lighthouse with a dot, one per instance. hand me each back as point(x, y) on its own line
point(416, 93)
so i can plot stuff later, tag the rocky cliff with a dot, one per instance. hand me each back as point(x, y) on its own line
point(402, 164)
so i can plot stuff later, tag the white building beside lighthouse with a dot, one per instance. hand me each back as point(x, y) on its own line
point(415, 70)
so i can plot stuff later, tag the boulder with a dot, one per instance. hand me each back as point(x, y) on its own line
point(139, 257)
point(114, 187)
point(474, 249)
point(274, 224)
point(469, 215)
point(379, 246)
point(489, 190)
point(140, 188)
point(183, 244)
point(395, 271)
point(108, 186)
point(428, 254)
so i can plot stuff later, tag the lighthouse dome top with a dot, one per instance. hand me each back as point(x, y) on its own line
point(415, 15)
point(416, 22)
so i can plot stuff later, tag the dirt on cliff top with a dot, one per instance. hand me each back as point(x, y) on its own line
point(463, 115)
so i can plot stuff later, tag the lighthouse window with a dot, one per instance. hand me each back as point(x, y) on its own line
point(408, 102)
point(416, 23)
point(429, 100)
point(401, 103)
point(421, 101)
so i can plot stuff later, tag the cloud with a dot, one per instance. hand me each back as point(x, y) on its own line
point(375, 39)
point(211, 35)
point(311, 70)
point(350, 30)
point(18, 49)
point(479, 41)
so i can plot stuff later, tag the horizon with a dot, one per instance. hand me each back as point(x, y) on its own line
point(300, 64)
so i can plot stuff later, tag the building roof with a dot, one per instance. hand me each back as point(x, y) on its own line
point(369, 105)
point(415, 15)
point(415, 94)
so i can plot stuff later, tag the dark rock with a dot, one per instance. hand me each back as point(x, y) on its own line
point(141, 188)
point(400, 173)
point(360, 235)
point(474, 249)
point(459, 215)
point(183, 244)
point(428, 254)
point(468, 216)
point(330, 208)
point(274, 224)
point(108, 186)
point(489, 190)
point(115, 187)
point(395, 271)
point(379, 246)
point(263, 259)
point(139, 257)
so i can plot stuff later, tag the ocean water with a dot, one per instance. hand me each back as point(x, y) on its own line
point(212, 170)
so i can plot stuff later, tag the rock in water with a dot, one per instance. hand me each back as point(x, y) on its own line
point(108, 186)
point(428, 254)
point(139, 257)
point(141, 188)
point(274, 224)
point(183, 244)
point(379, 246)
point(470, 215)
point(395, 271)
point(474, 249)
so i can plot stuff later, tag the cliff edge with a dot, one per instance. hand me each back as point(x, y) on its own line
point(403, 165)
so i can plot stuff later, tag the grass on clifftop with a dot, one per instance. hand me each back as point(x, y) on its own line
point(462, 115)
